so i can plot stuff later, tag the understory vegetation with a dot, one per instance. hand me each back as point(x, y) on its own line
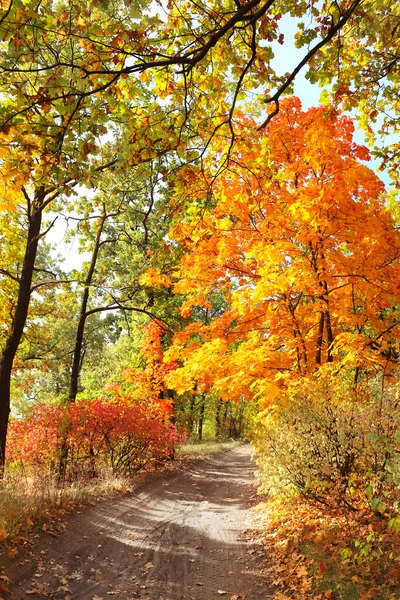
point(329, 457)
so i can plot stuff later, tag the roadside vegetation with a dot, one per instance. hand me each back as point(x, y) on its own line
point(328, 453)
point(206, 448)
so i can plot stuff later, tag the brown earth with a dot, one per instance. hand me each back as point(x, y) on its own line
point(183, 535)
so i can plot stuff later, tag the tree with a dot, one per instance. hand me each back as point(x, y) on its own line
point(123, 228)
point(34, 210)
point(299, 240)
point(41, 161)
point(161, 85)
point(203, 66)
point(37, 197)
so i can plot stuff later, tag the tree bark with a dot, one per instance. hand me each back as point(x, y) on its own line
point(35, 210)
point(77, 355)
point(218, 419)
point(192, 406)
point(201, 417)
point(318, 354)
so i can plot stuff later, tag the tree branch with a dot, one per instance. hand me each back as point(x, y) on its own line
point(331, 33)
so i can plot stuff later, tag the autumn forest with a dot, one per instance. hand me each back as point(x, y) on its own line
point(192, 251)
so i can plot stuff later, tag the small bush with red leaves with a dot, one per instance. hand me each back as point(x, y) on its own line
point(123, 435)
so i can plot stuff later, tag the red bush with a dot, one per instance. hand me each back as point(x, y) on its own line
point(122, 434)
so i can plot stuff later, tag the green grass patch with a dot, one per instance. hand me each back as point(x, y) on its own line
point(201, 449)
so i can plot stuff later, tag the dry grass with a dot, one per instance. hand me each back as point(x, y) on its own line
point(31, 502)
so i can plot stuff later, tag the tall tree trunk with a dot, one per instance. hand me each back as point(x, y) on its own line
point(201, 417)
point(35, 210)
point(77, 355)
point(218, 419)
point(192, 406)
point(171, 396)
point(241, 418)
point(329, 332)
point(224, 419)
point(318, 353)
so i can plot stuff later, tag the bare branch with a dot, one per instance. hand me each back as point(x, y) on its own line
point(7, 12)
point(50, 283)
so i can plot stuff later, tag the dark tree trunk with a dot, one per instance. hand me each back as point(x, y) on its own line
point(232, 424)
point(218, 419)
point(77, 355)
point(224, 420)
point(329, 334)
point(171, 396)
point(201, 418)
point(241, 418)
point(318, 353)
point(35, 209)
point(191, 413)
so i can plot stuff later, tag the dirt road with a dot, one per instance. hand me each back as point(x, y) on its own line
point(182, 536)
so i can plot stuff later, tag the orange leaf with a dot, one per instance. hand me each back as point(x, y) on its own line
point(322, 567)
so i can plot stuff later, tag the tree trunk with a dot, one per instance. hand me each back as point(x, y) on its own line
point(241, 418)
point(218, 419)
point(224, 419)
point(201, 418)
point(171, 396)
point(191, 413)
point(318, 353)
point(329, 334)
point(35, 209)
point(77, 355)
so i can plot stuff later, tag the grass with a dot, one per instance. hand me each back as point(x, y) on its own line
point(206, 448)
point(29, 503)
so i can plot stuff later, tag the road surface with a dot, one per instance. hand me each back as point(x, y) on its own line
point(183, 535)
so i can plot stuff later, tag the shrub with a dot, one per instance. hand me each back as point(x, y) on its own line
point(333, 441)
point(123, 435)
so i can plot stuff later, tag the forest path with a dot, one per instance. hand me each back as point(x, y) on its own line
point(183, 535)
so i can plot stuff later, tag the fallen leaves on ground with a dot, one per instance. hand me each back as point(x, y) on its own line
point(40, 590)
point(305, 545)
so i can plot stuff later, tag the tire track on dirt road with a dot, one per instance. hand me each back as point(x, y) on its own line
point(183, 535)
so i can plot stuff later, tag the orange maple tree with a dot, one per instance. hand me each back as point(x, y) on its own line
point(297, 237)
point(147, 384)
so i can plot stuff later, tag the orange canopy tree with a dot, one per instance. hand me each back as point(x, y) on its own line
point(297, 237)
